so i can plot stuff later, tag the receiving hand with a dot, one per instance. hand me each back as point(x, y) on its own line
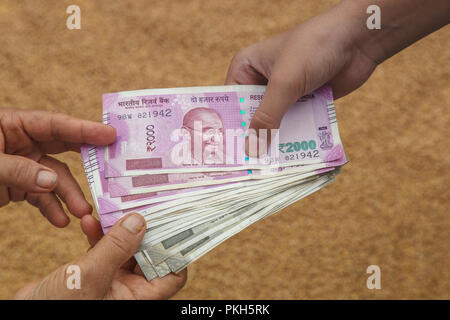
point(28, 173)
point(335, 48)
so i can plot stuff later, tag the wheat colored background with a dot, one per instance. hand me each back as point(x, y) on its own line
point(390, 205)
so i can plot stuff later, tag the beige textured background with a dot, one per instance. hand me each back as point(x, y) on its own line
point(390, 205)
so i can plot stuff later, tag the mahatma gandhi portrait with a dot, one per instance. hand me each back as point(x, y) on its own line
point(203, 134)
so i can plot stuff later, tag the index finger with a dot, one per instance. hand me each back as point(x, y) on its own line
point(92, 229)
point(44, 126)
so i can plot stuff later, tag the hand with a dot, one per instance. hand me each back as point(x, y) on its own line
point(28, 173)
point(334, 48)
point(300, 60)
point(108, 270)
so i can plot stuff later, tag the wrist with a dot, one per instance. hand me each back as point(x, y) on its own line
point(403, 22)
point(369, 42)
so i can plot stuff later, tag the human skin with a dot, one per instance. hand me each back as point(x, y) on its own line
point(334, 48)
point(108, 270)
point(27, 137)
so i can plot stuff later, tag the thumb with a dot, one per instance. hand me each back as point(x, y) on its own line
point(96, 268)
point(279, 96)
point(113, 250)
point(295, 73)
point(283, 89)
point(26, 174)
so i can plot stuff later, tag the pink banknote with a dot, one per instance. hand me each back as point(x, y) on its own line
point(110, 218)
point(203, 129)
point(133, 185)
point(93, 162)
point(128, 185)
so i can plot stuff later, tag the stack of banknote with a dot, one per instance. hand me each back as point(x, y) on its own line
point(186, 160)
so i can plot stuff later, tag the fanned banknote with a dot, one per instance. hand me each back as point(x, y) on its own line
point(203, 129)
point(179, 161)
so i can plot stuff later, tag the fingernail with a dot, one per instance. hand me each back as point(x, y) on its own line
point(46, 179)
point(112, 128)
point(134, 223)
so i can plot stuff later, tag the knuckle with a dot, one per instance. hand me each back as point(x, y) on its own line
point(8, 118)
point(19, 172)
point(117, 242)
point(239, 64)
point(56, 119)
point(281, 81)
point(54, 130)
point(291, 84)
point(12, 130)
point(92, 282)
point(240, 58)
point(262, 119)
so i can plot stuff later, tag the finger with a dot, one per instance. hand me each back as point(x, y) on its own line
point(166, 287)
point(16, 195)
point(50, 207)
point(25, 293)
point(67, 188)
point(54, 147)
point(243, 69)
point(92, 229)
point(47, 126)
point(137, 270)
point(354, 75)
point(26, 174)
point(4, 196)
point(130, 264)
point(114, 249)
point(253, 65)
point(301, 68)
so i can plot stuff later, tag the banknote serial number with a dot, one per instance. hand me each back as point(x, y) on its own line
point(155, 114)
point(165, 113)
point(302, 155)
